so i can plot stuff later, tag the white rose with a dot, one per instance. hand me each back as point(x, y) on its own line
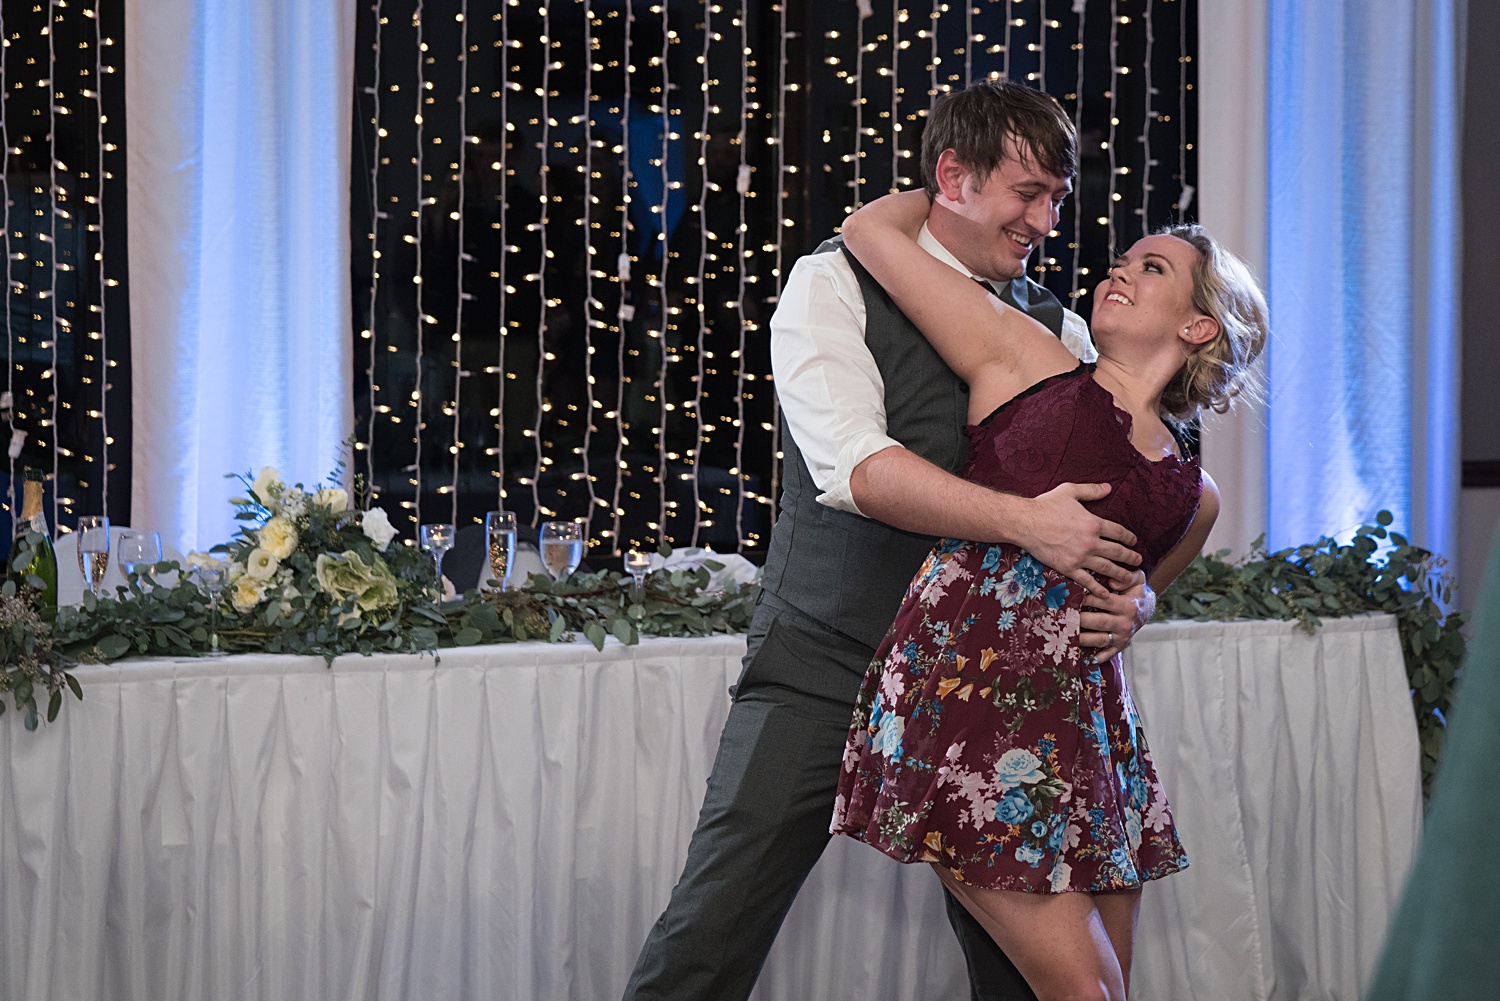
point(266, 483)
point(278, 537)
point(333, 498)
point(261, 565)
point(197, 559)
point(376, 525)
point(247, 593)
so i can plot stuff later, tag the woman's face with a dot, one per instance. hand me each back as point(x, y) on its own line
point(1149, 291)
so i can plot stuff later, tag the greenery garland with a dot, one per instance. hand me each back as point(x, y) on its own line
point(1327, 579)
point(164, 613)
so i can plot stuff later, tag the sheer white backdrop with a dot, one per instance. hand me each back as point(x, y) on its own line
point(1328, 158)
point(239, 115)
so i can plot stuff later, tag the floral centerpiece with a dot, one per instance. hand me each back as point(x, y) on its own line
point(307, 555)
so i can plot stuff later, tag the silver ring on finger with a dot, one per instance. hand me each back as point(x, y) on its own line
point(1111, 639)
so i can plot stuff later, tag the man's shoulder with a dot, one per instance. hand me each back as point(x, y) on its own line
point(827, 261)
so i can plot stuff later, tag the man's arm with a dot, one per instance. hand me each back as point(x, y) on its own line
point(901, 488)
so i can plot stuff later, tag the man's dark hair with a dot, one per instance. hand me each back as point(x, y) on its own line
point(976, 121)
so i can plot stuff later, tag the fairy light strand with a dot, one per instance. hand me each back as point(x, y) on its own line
point(52, 212)
point(896, 15)
point(701, 287)
point(1146, 123)
point(371, 332)
point(537, 510)
point(590, 404)
point(663, 248)
point(10, 336)
point(742, 269)
point(418, 396)
point(779, 141)
point(625, 312)
point(103, 330)
point(458, 311)
point(1184, 191)
point(864, 11)
point(1114, 91)
point(1076, 293)
point(503, 289)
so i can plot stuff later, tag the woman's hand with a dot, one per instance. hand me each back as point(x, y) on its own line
point(1110, 618)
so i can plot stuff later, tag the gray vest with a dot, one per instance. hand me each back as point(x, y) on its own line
point(849, 572)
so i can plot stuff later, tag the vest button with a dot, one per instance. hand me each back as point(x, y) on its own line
point(963, 387)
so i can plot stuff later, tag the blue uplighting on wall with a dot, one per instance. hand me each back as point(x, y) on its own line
point(1362, 268)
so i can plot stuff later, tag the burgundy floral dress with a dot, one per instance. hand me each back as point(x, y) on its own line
point(984, 739)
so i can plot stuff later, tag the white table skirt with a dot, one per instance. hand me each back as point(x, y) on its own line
point(508, 824)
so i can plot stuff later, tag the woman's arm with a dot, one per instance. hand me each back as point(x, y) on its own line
point(973, 330)
point(1192, 543)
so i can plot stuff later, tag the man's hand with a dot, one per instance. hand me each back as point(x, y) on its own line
point(1110, 618)
point(1062, 533)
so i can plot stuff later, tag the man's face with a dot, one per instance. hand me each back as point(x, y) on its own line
point(994, 226)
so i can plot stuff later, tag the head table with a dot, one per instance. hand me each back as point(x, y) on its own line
point(505, 822)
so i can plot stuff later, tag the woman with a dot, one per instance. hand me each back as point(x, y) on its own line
point(985, 741)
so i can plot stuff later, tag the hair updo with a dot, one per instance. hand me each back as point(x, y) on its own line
point(1219, 370)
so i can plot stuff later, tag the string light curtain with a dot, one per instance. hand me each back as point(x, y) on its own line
point(571, 222)
point(66, 393)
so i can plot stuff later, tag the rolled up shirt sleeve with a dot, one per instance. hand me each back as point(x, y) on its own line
point(831, 391)
point(1076, 338)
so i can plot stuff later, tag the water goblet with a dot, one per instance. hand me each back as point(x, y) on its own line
point(436, 539)
point(212, 577)
point(562, 547)
point(93, 550)
point(138, 551)
point(500, 544)
point(637, 564)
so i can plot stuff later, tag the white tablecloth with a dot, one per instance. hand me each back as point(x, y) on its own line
point(507, 824)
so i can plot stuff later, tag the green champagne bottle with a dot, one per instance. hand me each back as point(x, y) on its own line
point(44, 561)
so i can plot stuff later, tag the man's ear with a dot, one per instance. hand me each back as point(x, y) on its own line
point(1200, 331)
point(951, 175)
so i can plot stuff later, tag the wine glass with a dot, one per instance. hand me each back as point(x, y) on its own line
point(93, 550)
point(500, 543)
point(637, 564)
point(437, 539)
point(138, 550)
point(212, 577)
point(562, 547)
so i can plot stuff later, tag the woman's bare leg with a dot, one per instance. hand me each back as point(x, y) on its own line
point(1057, 941)
point(1118, 910)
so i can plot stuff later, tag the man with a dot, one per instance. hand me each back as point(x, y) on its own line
point(874, 423)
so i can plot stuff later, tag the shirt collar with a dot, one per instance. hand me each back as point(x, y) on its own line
point(930, 243)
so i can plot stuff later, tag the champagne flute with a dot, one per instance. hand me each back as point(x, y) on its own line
point(562, 547)
point(637, 564)
point(138, 551)
point(500, 544)
point(93, 550)
point(437, 539)
point(212, 577)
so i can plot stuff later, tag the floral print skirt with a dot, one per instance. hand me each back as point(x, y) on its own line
point(986, 741)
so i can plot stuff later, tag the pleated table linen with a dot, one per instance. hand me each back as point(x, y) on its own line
point(508, 821)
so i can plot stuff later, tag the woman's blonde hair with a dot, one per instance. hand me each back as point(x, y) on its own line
point(1219, 370)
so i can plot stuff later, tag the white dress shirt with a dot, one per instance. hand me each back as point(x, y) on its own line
point(830, 388)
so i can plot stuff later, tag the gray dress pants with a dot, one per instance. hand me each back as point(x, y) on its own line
point(765, 818)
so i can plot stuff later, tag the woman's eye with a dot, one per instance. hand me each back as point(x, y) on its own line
point(1152, 266)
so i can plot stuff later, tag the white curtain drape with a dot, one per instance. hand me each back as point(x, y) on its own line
point(1345, 191)
point(239, 160)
